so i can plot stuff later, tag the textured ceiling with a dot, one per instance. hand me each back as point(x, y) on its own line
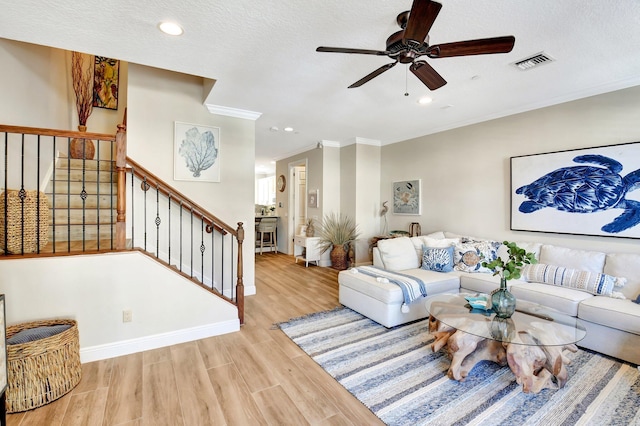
point(262, 54)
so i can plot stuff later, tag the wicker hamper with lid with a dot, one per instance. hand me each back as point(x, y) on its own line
point(43, 370)
point(27, 221)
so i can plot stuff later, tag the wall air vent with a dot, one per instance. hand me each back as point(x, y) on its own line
point(533, 61)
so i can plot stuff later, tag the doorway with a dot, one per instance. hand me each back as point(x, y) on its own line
point(297, 200)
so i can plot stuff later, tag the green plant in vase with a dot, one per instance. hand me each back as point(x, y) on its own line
point(502, 301)
point(336, 232)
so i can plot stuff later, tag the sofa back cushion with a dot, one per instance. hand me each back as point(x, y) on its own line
point(398, 254)
point(592, 261)
point(625, 265)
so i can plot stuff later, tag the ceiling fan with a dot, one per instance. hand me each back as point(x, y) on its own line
point(412, 42)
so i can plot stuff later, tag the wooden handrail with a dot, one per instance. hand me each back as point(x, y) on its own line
point(57, 133)
point(164, 188)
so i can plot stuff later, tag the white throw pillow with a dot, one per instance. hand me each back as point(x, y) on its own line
point(592, 261)
point(625, 265)
point(439, 243)
point(398, 254)
point(437, 235)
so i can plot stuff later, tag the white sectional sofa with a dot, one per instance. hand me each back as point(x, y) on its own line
point(613, 324)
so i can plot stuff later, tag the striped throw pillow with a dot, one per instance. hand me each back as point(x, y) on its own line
point(590, 282)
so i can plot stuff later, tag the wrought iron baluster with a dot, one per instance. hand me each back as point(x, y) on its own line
point(133, 203)
point(157, 221)
point(6, 191)
point(98, 182)
point(145, 187)
point(191, 268)
point(68, 195)
point(22, 194)
point(53, 201)
point(83, 196)
point(181, 210)
point(213, 251)
point(232, 268)
point(202, 248)
point(222, 262)
point(38, 196)
point(169, 224)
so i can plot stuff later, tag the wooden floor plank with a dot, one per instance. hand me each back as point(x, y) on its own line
point(124, 402)
point(95, 375)
point(278, 408)
point(86, 409)
point(160, 402)
point(197, 398)
point(235, 399)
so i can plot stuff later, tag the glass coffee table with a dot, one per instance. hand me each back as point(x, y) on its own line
point(531, 342)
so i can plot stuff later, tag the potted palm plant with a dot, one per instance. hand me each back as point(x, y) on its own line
point(336, 232)
point(502, 301)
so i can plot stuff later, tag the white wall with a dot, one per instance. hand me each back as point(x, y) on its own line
point(37, 90)
point(465, 172)
point(94, 290)
point(156, 99)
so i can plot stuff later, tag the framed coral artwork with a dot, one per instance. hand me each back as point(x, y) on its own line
point(106, 76)
point(591, 191)
point(406, 197)
point(196, 152)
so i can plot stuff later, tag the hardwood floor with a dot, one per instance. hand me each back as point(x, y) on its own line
point(256, 376)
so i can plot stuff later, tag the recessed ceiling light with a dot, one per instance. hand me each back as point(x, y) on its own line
point(274, 128)
point(288, 129)
point(425, 100)
point(170, 28)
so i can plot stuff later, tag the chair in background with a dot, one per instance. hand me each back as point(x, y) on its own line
point(267, 226)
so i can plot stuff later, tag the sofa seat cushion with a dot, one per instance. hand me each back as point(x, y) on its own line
point(435, 282)
point(615, 313)
point(565, 300)
point(479, 283)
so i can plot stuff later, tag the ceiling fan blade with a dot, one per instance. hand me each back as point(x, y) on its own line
point(347, 50)
point(422, 16)
point(481, 46)
point(427, 75)
point(373, 75)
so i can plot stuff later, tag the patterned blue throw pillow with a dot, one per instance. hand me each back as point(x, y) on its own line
point(437, 259)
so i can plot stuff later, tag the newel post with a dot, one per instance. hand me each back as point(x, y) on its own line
point(240, 284)
point(121, 203)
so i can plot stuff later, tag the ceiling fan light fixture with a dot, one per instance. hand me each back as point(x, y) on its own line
point(170, 28)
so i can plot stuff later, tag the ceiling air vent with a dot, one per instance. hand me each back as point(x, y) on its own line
point(533, 61)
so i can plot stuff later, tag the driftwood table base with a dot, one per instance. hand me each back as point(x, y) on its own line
point(536, 367)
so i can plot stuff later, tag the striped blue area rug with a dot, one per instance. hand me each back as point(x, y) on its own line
point(397, 376)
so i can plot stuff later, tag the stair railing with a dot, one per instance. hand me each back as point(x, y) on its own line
point(167, 225)
point(31, 187)
point(160, 221)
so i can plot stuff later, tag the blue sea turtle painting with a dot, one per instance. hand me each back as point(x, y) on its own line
point(589, 188)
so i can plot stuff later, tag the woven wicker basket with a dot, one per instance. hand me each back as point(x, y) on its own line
point(16, 217)
point(43, 370)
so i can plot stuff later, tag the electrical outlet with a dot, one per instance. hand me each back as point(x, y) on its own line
point(127, 315)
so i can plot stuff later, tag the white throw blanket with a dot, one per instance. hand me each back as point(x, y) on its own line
point(412, 287)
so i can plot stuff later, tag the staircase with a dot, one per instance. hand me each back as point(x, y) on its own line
point(73, 219)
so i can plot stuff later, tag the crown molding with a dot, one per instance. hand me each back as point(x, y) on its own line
point(233, 112)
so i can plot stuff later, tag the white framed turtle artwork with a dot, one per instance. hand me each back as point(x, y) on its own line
point(589, 191)
point(196, 152)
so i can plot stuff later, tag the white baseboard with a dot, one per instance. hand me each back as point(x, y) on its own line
point(126, 347)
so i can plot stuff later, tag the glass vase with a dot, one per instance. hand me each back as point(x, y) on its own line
point(502, 301)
